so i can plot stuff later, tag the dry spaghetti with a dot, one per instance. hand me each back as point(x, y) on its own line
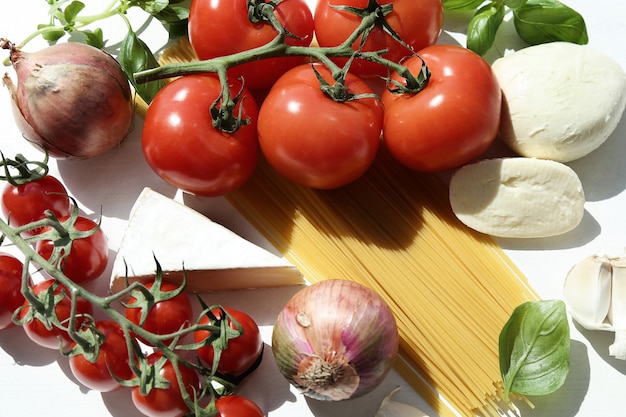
point(450, 289)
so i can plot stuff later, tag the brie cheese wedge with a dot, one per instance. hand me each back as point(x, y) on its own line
point(212, 257)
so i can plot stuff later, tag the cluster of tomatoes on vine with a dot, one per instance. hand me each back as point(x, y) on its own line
point(318, 113)
point(148, 341)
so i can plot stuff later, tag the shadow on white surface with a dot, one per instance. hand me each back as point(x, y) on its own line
point(600, 342)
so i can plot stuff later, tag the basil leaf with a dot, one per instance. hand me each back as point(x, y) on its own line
point(481, 32)
point(72, 11)
point(52, 35)
point(542, 21)
point(94, 38)
point(174, 20)
point(136, 56)
point(534, 348)
point(153, 6)
point(461, 4)
point(514, 4)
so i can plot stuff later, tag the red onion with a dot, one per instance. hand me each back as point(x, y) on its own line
point(72, 99)
point(335, 340)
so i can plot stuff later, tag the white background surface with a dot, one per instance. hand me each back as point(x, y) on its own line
point(36, 381)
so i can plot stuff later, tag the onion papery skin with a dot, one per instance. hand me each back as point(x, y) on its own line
point(72, 99)
point(335, 340)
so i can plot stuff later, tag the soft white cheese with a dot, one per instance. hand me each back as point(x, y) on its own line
point(518, 197)
point(564, 100)
point(213, 257)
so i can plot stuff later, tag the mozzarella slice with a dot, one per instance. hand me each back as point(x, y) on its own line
point(564, 100)
point(518, 197)
point(213, 257)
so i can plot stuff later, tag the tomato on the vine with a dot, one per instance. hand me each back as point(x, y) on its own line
point(112, 360)
point(223, 27)
point(241, 352)
point(183, 147)
point(417, 22)
point(166, 316)
point(166, 402)
point(11, 297)
point(88, 256)
point(237, 406)
point(26, 203)
point(55, 337)
point(453, 120)
point(314, 140)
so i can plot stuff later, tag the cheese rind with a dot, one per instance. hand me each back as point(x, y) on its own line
point(518, 197)
point(213, 257)
point(561, 100)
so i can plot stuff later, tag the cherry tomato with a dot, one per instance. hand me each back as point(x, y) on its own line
point(182, 146)
point(55, 337)
point(417, 22)
point(314, 140)
point(236, 406)
point(453, 120)
point(242, 351)
point(112, 360)
point(27, 202)
point(166, 402)
point(88, 257)
point(222, 27)
point(11, 297)
point(167, 316)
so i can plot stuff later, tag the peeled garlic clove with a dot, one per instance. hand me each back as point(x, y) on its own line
point(587, 292)
point(391, 408)
point(617, 311)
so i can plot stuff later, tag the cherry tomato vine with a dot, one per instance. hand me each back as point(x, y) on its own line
point(59, 313)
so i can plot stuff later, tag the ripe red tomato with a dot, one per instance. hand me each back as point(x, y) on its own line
point(242, 351)
point(165, 317)
point(453, 120)
point(312, 139)
point(182, 146)
point(88, 257)
point(222, 27)
point(112, 360)
point(418, 23)
point(236, 406)
point(55, 337)
point(11, 297)
point(166, 402)
point(27, 202)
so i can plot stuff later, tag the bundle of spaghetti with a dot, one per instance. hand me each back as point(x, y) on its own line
point(451, 289)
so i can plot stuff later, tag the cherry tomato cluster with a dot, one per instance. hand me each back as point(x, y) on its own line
point(52, 318)
point(37, 199)
point(314, 125)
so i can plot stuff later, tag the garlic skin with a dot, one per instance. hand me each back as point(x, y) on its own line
point(391, 408)
point(617, 311)
point(595, 295)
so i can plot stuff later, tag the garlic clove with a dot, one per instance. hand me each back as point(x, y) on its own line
point(587, 292)
point(391, 408)
point(617, 312)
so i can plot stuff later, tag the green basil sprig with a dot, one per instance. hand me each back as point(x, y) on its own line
point(135, 56)
point(534, 348)
point(536, 21)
